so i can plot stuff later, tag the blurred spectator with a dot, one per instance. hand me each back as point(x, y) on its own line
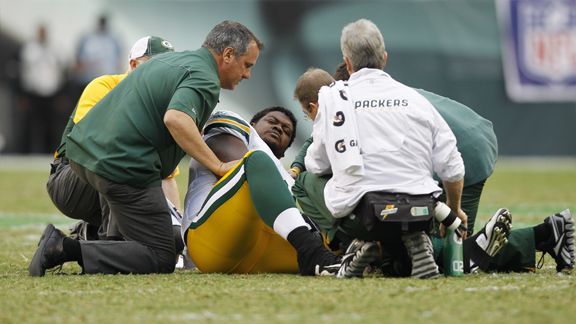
point(9, 88)
point(41, 76)
point(98, 54)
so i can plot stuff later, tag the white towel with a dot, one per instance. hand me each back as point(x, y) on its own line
point(342, 140)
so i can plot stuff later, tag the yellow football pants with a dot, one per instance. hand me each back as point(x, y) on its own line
point(233, 238)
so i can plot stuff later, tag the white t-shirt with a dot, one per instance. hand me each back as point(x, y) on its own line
point(403, 140)
point(41, 71)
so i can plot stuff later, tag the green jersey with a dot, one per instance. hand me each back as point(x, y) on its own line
point(474, 134)
point(124, 139)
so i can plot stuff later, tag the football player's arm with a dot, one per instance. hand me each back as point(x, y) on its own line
point(227, 147)
point(186, 134)
point(299, 166)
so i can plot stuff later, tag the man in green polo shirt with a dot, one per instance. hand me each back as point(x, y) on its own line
point(125, 152)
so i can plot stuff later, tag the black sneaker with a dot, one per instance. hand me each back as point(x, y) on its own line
point(358, 256)
point(561, 243)
point(494, 235)
point(328, 265)
point(50, 252)
point(313, 257)
point(419, 248)
point(318, 261)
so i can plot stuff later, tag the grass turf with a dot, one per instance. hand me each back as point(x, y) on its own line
point(531, 193)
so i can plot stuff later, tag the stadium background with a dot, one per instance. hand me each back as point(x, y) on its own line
point(449, 47)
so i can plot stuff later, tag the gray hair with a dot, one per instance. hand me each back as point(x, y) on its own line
point(230, 34)
point(363, 44)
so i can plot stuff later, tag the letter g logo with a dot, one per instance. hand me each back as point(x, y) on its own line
point(340, 146)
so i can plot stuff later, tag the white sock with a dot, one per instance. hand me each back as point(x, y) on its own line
point(287, 221)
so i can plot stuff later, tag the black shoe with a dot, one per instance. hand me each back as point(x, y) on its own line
point(50, 252)
point(313, 257)
point(561, 243)
point(358, 256)
point(318, 261)
point(327, 265)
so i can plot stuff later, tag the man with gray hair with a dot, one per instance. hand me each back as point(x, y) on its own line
point(72, 196)
point(383, 141)
point(135, 137)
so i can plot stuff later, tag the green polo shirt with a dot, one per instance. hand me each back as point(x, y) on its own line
point(124, 139)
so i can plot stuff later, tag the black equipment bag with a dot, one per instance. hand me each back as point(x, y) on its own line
point(396, 212)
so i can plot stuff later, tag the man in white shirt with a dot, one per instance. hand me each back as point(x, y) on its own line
point(377, 135)
point(42, 77)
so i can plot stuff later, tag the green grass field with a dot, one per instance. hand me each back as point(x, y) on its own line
point(530, 191)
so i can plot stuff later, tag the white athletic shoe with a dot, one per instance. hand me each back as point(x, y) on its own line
point(494, 235)
point(561, 243)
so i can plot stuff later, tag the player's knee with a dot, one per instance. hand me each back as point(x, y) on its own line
point(257, 154)
point(258, 158)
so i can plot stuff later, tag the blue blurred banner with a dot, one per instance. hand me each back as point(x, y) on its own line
point(539, 49)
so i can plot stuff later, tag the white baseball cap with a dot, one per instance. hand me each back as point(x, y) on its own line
point(150, 46)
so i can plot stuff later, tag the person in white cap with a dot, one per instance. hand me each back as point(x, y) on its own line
point(72, 196)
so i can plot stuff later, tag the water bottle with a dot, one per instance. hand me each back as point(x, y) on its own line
point(452, 248)
point(453, 254)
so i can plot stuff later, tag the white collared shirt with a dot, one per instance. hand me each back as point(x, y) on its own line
point(403, 141)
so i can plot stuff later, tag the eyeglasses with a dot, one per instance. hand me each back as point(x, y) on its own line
point(308, 112)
